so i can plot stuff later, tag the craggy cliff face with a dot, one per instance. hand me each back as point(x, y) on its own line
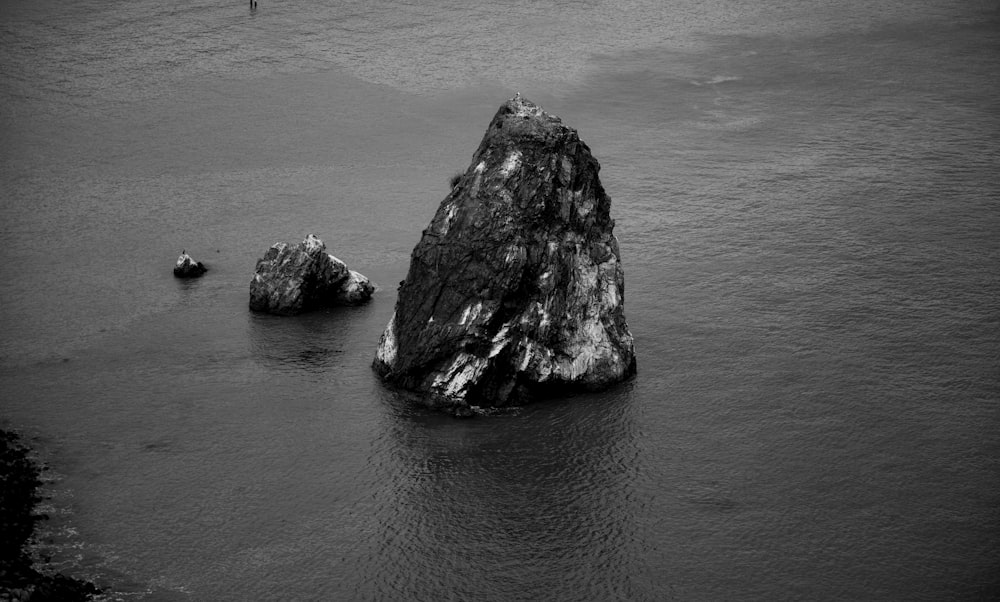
point(517, 283)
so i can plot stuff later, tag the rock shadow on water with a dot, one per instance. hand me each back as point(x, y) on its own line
point(537, 502)
point(188, 285)
point(314, 342)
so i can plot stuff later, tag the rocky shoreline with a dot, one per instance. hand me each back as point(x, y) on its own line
point(20, 579)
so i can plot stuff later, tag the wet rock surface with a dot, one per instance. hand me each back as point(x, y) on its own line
point(292, 279)
point(517, 284)
point(186, 267)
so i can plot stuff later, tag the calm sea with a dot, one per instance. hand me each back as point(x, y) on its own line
point(807, 195)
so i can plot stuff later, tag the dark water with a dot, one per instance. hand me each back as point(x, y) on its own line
point(807, 199)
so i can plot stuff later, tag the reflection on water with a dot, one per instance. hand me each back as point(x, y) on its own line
point(312, 342)
point(536, 504)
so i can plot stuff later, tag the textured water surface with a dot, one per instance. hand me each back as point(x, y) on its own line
point(807, 201)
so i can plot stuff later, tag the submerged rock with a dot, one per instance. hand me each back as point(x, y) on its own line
point(517, 284)
point(291, 279)
point(187, 267)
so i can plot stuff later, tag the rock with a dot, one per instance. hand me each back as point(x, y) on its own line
point(462, 411)
point(516, 286)
point(187, 267)
point(22, 575)
point(291, 279)
point(356, 290)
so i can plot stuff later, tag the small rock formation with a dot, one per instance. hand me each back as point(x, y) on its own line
point(517, 284)
point(291, 279)
point(187, 267)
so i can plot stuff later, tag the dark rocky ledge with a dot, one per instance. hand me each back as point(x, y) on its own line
point(20, 578)
point(291, 279)
point(517, 284)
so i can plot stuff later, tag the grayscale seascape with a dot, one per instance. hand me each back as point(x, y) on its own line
point(807, 197)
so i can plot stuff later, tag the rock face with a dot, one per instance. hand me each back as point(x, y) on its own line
point(517, 284)
point(291, 279)
point(187, 267)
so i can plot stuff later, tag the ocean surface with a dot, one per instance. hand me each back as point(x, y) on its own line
point(807, 196)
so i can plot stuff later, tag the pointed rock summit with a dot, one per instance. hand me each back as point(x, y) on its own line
point(186, 267)
point(291, 279)
point(517, 284)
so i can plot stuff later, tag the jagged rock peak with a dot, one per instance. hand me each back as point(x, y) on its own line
point(186, 267)
point(516, 285)
point(291, 279)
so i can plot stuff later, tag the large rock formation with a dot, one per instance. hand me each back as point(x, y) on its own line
point(517, 284)
point(290, 279)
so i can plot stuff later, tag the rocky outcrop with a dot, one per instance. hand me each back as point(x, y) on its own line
point(21, 576)
point(517, 284)
point(291, 279)
point(187, 267)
